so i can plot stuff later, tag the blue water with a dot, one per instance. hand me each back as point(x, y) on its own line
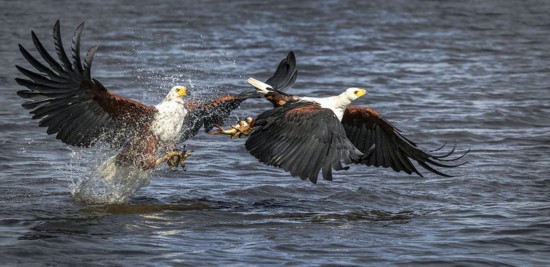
point(474, 72)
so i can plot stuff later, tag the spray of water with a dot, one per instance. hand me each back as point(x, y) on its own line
point(101, 180)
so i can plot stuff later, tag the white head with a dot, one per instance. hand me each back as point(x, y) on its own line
point(176, 94)
point(354, 93)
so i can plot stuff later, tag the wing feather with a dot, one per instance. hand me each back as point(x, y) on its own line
point(40, 67)
point(59, 49)
point(54, 66)
point(70, 103)
point(365, 127)
point(41, 88)
point(285, 75)
point(75, 49)
point(40, 79)
point(303, 139)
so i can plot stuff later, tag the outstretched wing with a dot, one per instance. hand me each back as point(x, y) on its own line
point(385, 146)
point(301, 138)
point(67, 101)
point(215, 111)
point(209, 114)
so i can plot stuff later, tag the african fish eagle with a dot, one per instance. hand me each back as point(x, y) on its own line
point(81, 111)
point(307, 135)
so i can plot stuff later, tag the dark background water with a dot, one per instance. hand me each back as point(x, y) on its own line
point(477, 72)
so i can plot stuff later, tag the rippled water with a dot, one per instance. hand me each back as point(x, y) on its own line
point(477, 73)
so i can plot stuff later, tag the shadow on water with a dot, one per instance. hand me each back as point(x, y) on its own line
point(373, 216)
point(143, 208)
point(61, 227)
point(91, 221)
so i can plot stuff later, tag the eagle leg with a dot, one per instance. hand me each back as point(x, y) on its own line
point(175, 158)
point(182, 160)
point(172, 158)
point(183, 156)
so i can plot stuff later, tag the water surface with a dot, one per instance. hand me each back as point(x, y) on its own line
point(477, 73)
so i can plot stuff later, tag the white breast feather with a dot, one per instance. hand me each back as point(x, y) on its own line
point(168, 121)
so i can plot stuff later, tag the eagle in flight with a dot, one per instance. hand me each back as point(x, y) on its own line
point(81, 111)
point(309, 135)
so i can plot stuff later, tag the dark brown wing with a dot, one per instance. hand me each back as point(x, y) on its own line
point(209, 114)
point(365, 128)
point(215, 111)
point(301, 138)
point(70, 103)
point(285, 75)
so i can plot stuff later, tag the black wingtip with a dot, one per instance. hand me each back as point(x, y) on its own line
point(291, 56)
point(285, 74)
point(313, 180)
point(429, 168)
point(447, 154)
point(455, 159)
point(75, 49)
point(20, 82)
point(34, 36)
point(80, 27)
point(21, 93)
point(441, 147)
point(88, 61)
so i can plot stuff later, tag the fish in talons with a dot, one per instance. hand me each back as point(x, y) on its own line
point(242, 129)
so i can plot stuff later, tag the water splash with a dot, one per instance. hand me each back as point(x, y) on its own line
point(103, 181)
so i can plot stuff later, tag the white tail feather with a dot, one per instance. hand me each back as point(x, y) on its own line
point(261, 87)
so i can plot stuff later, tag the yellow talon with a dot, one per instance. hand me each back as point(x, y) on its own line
point(175, 158)
point(182, 159)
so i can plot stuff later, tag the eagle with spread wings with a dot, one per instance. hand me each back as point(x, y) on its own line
point(81, 111)
point(309, 135)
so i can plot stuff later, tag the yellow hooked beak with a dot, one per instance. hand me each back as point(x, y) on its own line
point(360, 92)
point(181, 91)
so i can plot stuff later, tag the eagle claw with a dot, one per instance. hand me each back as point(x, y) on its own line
point(176, 158)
